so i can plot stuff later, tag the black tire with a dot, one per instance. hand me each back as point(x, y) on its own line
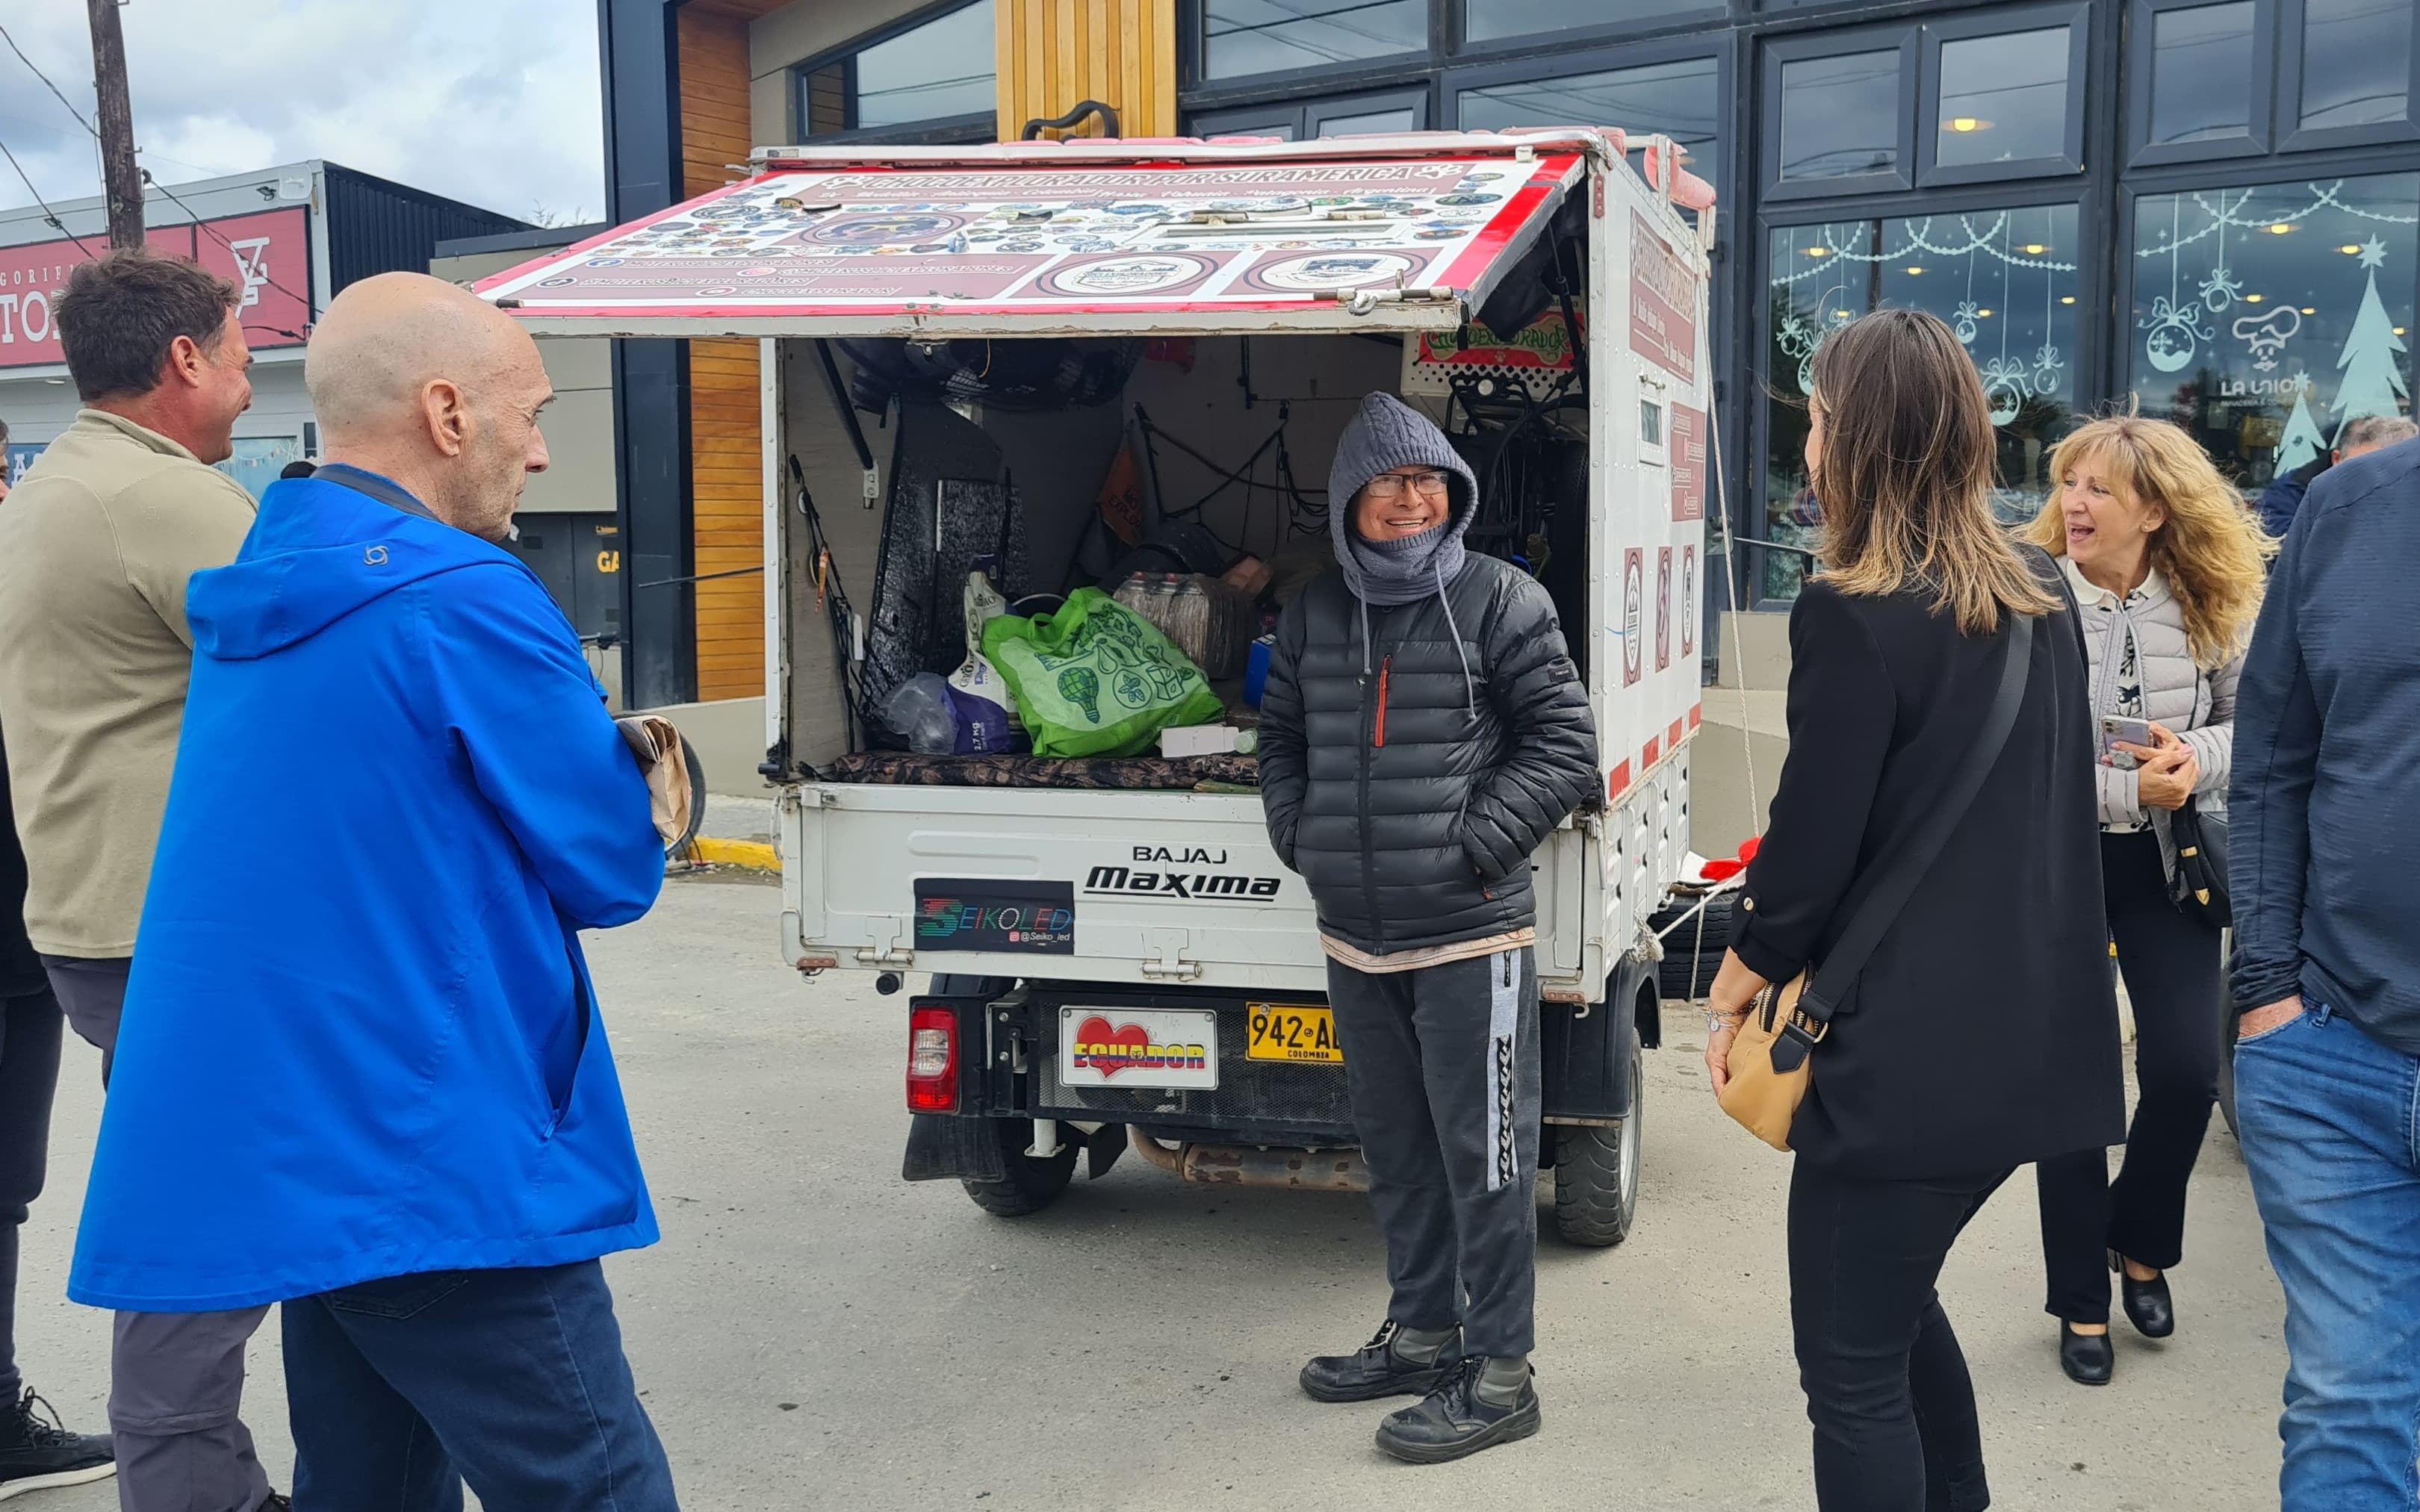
point(1031, 1184)
point(1596, 1171)
point(1693, 951)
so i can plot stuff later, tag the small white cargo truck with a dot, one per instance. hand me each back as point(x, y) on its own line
point(1088, 356)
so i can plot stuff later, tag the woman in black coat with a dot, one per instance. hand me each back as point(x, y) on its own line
point(1982, 1033)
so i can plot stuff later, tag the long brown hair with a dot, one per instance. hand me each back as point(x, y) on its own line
point(1904, 480)
point(2212, 550)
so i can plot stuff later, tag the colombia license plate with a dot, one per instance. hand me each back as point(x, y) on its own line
point(1294, 1032)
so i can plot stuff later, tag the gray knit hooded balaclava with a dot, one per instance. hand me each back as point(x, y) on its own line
point(1387, 434)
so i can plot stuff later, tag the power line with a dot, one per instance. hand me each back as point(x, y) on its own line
point(48, 214)
point(219, 236)
point(46, 82)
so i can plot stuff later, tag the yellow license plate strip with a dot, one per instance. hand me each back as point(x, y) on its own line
point(1298, 1033)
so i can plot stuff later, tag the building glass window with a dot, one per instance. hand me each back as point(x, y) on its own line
point(1246, 37)
point(1405, 118)
point(2005, 281)
point(1488, 20)
point(1839, 116)
point(938, 71)
point(2356, 62)
point(258, 460)
point(1679, 100)
point(2265, 318)
point(2003, 98)
point(2201, 73)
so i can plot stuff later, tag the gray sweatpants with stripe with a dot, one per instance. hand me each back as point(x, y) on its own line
point(1443, 1066)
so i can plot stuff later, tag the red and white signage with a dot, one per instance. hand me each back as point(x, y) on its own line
point(266, 256)
point(1057, 240)
point(1663, 294)
point(1688, 453)
point(1138, 1047)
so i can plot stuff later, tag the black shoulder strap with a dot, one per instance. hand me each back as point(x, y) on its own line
point(1896, 879)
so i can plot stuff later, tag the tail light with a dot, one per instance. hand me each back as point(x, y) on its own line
point(933, 1059)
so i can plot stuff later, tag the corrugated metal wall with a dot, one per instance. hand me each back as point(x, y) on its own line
point(375, 227)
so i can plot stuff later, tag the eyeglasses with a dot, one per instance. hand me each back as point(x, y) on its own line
point(1390, 485)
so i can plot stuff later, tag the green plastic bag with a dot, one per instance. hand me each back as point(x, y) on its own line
point(1096, 679)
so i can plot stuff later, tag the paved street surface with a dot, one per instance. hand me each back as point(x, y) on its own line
point(813, 1332)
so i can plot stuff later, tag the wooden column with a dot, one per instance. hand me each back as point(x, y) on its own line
point(726, 472)
point(1055, 52)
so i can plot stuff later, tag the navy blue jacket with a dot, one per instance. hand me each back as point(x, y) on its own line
point(2283, 496)
point(2324, 811)
point(360, 1039)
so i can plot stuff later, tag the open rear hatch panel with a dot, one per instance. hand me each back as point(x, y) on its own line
point(1399, 234)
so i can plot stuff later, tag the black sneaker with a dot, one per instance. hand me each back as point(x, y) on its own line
point(37, 1451)
point(1377, 1370)
point(1455, 1420)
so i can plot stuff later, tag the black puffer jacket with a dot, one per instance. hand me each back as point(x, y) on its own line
point(1410, 797)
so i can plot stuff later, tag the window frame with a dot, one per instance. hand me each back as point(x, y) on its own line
point(1780, 52)
point(1303, 116)
point(937, 128)
point(2142, 30)
point(1703, 47)
point(2076, 16)
point(2290, 135)
point(1193, 59)
point(1699, 18)
point(2094, 346)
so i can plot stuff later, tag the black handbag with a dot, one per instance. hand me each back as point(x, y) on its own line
point(2199, 887)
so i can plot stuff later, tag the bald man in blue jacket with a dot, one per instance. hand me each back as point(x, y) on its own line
point(362, 1071)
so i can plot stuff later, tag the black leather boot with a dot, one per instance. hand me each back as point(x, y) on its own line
point(1377, 1370)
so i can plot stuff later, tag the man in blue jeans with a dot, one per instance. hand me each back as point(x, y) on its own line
point(2327, 1062)
point(361, 1070)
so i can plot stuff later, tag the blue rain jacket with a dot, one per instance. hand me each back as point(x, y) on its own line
point(360, 1039)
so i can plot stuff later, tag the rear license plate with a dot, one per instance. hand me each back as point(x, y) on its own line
point(1295, 1032)
point(1139, 1047)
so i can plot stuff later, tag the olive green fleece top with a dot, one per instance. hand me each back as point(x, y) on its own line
point(96, 543)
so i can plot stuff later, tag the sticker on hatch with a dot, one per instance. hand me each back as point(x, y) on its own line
point(995, 914)
point(1138, 1047)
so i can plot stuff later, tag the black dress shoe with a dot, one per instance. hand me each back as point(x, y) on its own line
point(1455, 1420)
point(2147, 1304)
point(2087, 1358)
point(1377, 1370)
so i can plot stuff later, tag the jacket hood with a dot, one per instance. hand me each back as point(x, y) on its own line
point(1385, 434)
point(317, 552)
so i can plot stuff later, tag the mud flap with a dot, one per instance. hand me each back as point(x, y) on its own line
point(1102, 1150)
point(943, 1146)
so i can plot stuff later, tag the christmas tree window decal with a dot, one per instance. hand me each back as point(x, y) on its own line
point(2370, 382)
point(2312, 285)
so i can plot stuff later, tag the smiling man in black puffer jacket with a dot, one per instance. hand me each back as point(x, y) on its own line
point(1423, 729)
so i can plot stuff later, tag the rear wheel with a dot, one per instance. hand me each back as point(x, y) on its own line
point(1596, 1172)
point(1031, 1184)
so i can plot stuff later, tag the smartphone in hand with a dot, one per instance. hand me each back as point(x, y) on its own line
point(2117, 728)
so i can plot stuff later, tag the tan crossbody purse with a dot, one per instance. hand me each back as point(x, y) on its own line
point(1772, 1062)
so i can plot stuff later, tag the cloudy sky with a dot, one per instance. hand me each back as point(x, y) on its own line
point(493, 101)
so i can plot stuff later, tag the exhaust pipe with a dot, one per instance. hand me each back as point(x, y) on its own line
point(1304, 1170)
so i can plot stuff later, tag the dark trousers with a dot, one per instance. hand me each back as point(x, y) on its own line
point(400, 1390)
point(29, 1072)
point(1886, 1384)
point(2172, 965)
point(1442, 1064)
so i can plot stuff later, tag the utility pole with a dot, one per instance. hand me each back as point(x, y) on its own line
point(120, 181)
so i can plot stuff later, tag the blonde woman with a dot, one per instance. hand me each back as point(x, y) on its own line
point(2166, 562)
